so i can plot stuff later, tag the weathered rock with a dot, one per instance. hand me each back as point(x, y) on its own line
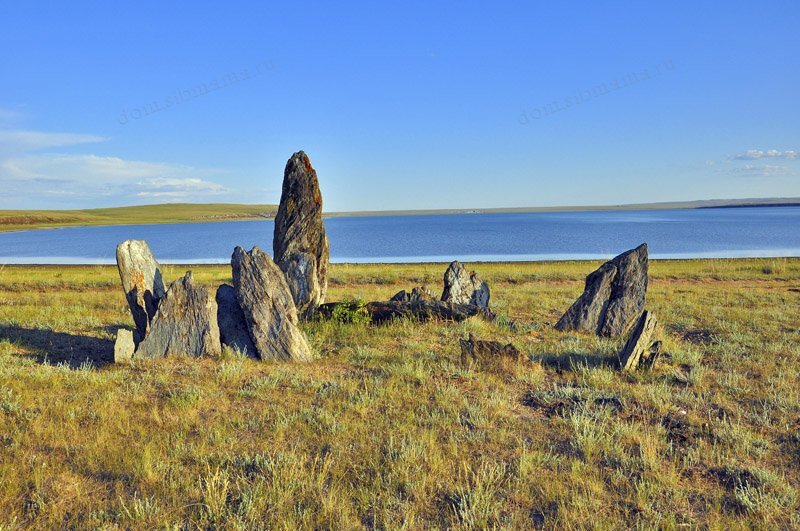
point(613, 297)
point(641, 348)
point(474, 351)
point(420, 293)
point(381, 312)
point(268, 307)
point(123, 346)
point(185, 323)
point(232, 324)
point(141, 281)
point(465, 287)
point(300, 244)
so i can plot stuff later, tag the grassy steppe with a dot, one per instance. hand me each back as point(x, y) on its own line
point(386, 430)
point(167, 213)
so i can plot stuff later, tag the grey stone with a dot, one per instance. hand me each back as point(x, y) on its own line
point(641, 347)
point(465, 287)
point(268, 307)
point(420, 293)
point(232, 324)
point(141, 281)
point(123, 346)
point(613, 297)
point(185, 323)
point(300, 244)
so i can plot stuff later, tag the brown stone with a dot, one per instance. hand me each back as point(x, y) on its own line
point(474, 351)
point(300, 244)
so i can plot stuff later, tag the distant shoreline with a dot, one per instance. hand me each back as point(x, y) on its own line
point(22, 220)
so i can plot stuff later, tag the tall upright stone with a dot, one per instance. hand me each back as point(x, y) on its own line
point(141, 281)
point(465, 287)
point(185, 323)
point(300, 244)
point(269, 310)
point(613, 296)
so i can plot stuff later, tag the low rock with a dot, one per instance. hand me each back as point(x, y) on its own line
point(232, 324)
point(142, 283)
point(613, 296)
point(381, 312)
point(474, 351)
point(641, 348)
point(268, 307)
point(420, 293)
point(185, 323)
point(123, 346)
point(465, 287)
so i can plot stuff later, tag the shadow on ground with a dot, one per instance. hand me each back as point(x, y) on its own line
point(53, 348)
point(567, 361)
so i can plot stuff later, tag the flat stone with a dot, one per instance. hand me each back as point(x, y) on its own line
point(613, 297)
point(474, 351)
point(232, 324)
point(142, 282)
point(299, 243)
point(185, 323)
point(123, 346)
point(269, 310)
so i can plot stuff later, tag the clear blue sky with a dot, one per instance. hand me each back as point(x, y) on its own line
point(400, 106)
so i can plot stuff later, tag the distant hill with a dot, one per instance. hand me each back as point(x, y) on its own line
point(134, 215)
point(191, 213)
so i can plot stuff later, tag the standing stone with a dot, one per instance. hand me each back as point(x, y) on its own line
point(185, 323)
point(268, 307)
point(141, 281)
point(232, 324)
point(640, 347)
point(300, 244)
point(613, 296)
point(123, 346)
point(465, 287)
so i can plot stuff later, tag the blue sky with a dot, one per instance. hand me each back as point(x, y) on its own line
point(400, 106)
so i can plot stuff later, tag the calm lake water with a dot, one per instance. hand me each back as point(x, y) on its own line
point(708, 233)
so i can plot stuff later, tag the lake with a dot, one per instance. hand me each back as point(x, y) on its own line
point(698, 233)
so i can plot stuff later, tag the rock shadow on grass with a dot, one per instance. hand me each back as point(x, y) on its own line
point(53, 348)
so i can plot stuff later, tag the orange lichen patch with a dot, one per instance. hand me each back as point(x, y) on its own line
point(137, 278)
point(317, 198)
point(307, 163)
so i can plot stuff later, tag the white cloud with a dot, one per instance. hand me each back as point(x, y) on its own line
point(88, 177)
point(756, 154)
point(27, 141)
point(761, 170)
point(178, 188)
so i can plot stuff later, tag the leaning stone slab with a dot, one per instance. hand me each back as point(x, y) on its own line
point(185, 323)
point(268, 307)
point(232, 324)
point(613, 296)
point(123, 346)
point(141, 281)
point(478, 352)
point(641, 348)
point(465, 287)
point(299, 243)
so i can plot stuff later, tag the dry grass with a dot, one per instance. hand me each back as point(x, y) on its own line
point(385, 430)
